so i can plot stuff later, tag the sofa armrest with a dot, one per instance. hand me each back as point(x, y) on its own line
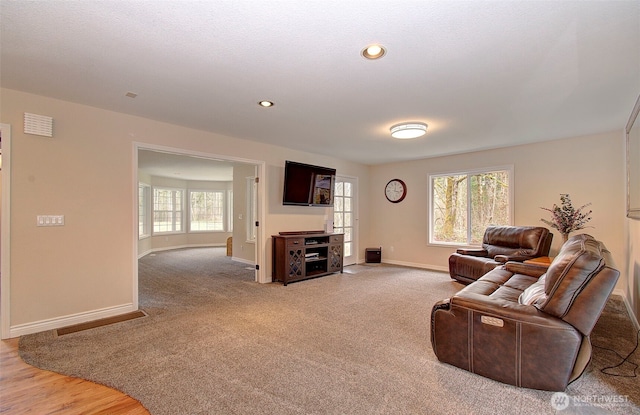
point(533, 270)
point(501, 258)
point(505, 258)
point(473, 252)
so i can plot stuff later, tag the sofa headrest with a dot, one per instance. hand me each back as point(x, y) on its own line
point(510, 240)
point(579, 259)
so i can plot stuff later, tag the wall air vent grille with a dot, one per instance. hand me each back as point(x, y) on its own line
point(38, 125)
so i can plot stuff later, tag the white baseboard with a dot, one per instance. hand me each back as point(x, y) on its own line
point(70, 320)
point(243, 261)
point(171, 248)
point(632, 315)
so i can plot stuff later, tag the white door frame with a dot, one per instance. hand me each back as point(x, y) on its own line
point(5, 238)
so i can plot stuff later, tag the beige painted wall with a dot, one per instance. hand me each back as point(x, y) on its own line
point(86, 172)
point(590, 169)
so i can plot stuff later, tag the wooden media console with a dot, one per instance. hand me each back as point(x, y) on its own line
point(304, 255)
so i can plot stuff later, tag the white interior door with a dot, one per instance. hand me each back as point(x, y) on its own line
point(345, 216)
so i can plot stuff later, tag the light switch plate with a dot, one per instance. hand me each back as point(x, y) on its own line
point(50, 220)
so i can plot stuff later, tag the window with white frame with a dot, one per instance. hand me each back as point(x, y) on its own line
point(206, 210)
point(144, 208)
point(167, 210)
point(229, 215)
point(463, 204)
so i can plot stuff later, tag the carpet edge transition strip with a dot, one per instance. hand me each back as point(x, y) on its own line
point(101, 322)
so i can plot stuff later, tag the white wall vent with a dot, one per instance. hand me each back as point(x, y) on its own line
point(38, 125)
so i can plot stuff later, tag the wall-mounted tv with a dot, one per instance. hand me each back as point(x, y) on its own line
point(308, 185)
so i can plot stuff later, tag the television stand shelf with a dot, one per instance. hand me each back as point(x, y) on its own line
point(304, 255)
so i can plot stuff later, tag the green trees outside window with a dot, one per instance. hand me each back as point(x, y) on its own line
point(464, 204)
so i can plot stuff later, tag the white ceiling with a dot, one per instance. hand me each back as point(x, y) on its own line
point(482, 74)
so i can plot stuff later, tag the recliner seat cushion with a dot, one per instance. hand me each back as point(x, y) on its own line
point(533, 293)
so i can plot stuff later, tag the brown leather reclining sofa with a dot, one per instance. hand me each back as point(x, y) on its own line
point(499, 245)
point(527, 325)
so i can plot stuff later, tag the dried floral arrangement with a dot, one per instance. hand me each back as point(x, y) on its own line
point(565, 218)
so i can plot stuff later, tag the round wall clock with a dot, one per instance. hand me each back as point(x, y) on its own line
point(395, 190)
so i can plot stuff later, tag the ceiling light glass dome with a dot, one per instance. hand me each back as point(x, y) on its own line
point(407, 130)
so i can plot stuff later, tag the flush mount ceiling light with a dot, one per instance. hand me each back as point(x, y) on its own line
point(373, 52)
point(266, 104)
point(408, 130)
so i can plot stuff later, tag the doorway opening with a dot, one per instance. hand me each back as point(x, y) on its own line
point(203, 201)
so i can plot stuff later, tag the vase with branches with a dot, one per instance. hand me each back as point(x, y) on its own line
point(565, 218)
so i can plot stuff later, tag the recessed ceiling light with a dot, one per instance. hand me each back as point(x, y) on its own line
point(374, 51)
point(407, 130)
point(266, 104)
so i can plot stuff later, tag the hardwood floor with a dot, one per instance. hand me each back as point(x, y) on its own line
point(25, 389)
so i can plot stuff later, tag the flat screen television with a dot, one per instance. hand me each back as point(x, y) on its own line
point(308, 185)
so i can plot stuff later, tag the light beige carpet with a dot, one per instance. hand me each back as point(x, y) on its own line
point(215, 342)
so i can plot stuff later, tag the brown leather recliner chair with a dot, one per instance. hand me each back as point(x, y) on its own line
point(499, 245)
point(526, 325)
